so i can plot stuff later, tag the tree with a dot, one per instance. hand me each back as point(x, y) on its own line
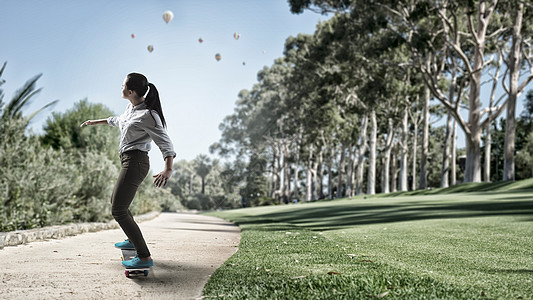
point(359, 88)
point(62, 130)
point(202, 167)
point(520, 31)
point(458, 31)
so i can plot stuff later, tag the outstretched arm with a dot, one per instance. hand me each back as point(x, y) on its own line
point(93, 122)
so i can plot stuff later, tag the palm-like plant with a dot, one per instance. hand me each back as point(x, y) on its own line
point(21, 98)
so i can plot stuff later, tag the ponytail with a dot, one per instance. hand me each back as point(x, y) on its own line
point(139, 84)
point(153, 103)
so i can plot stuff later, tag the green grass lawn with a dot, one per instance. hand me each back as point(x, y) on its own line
point(467, 242)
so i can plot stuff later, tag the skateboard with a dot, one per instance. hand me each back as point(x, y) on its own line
point(128, 254)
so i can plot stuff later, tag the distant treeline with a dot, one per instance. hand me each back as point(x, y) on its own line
point(355, 107)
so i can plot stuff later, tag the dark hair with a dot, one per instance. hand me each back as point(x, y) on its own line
point(139, 84)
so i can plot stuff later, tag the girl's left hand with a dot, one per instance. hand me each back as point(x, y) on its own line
point(162, 178)
point(87, 123)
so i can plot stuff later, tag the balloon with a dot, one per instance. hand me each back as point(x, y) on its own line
point(133, 35)
point(244, 63)
point(218, 57)
point(236, 35)
point(167, 16)
point(150, 48)
point(200, 40)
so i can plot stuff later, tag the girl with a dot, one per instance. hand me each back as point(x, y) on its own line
point(142, 122)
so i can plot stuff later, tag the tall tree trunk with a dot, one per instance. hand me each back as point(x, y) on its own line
point(279, 174)
point(330, 178)
point(350, 173)
point(190, 183)
point(394, 170)
point(354, 167)
point(361, 157)
point(473, 136)
point(371, 179)
point(473, 153)
point(340, 171)
point(273, 176)
point(414, 156)
point(488, 131)
point(425, 142)
point(314, 181)
point(453, 171)
point(286, 172)
point(386, 159)
point(488, 149)
point(510, 124)
point(445, 175)
point(404, 153)
point(309, 175)
point(269, 181)
point(318, 175)
point(289, 176)
point(296, 191)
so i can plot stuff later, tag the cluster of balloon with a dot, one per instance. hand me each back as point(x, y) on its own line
point(167, 16)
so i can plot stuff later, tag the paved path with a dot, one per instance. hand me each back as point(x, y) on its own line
point(186, 248)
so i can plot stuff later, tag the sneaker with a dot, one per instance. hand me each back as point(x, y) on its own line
point(137, 263)
point(125, 245)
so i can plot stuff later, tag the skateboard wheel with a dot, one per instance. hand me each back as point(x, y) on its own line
point(127, 273)
point(145, 272)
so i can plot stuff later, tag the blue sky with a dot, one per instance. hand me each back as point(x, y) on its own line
point(84, 50)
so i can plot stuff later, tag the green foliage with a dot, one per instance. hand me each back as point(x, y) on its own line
point(71, 182)
point(220, 184)
point(524, 128)
point(150, 198)
point(202, 167)
point(255, 179)
point(372, 56)
point(37, 185)
point(40, 186)
point(524, 159)
point(66, 175)
point(261, 201)
point(94, 186)
point(62, 130)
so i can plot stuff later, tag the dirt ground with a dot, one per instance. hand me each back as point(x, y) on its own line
point(186, 248)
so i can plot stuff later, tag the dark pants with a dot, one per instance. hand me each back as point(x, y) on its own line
point(135, 166)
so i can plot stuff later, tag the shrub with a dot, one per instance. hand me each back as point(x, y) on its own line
point(41, 186)
point(36, 184)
